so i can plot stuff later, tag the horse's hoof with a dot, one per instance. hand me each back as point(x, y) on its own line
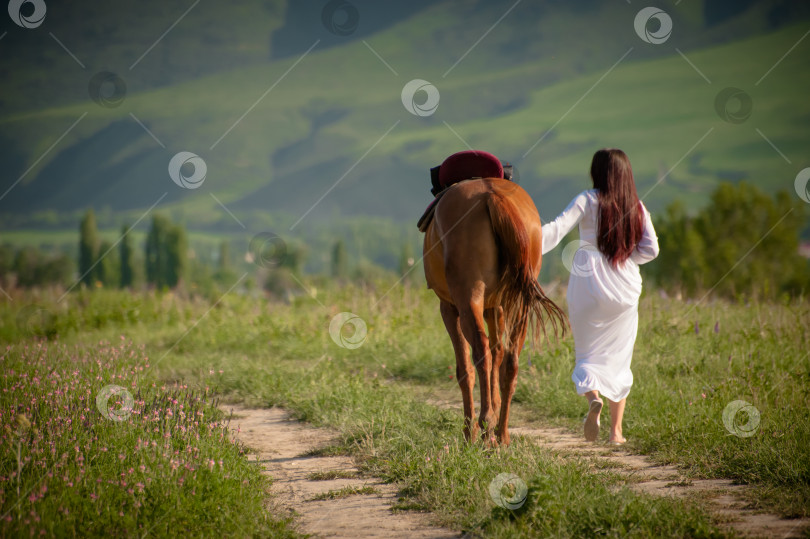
point(489, 439)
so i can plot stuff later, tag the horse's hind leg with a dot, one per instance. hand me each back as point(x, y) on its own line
point(508, 380)
point(465, 374)
point(495, 323)
point(471, 314)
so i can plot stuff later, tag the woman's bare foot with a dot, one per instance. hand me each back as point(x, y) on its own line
point(616, 415)
point(592, 420)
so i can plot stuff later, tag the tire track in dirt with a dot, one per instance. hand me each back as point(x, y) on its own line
point(725, 498)
point(284, 448)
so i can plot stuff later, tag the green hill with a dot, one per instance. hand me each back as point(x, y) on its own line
point(324, 134)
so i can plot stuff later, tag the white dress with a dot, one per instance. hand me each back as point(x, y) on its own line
point(602, 300)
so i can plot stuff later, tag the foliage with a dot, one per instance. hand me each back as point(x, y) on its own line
point(743, 244)
point(339, 266)
point(30, 268)
point(6, 264)
point(156, 257)
point(225, 273)
point(88, 248)
point(406, 260)
point(283, 267)
point(107, 268)
point(176, 251)
point(126, 256)
point(166, 253)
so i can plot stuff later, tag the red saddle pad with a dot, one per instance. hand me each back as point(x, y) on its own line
point(469, 164)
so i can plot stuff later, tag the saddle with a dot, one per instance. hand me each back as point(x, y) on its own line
point(459, 167)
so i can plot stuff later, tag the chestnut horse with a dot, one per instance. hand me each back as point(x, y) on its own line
point(482, 256)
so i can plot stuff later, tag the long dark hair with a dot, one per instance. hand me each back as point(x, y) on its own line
point(620, 217)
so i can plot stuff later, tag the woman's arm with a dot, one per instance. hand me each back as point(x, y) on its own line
point(647, 248)
point(555, 231)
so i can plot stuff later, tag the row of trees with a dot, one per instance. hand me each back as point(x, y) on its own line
point(96, 261)
point(29, 267)
point(165, 257)
point(339, 261)
point(743, 243)
point(166, 252)
point(165, 261)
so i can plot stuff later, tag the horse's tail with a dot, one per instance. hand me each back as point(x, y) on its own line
point(518, 291)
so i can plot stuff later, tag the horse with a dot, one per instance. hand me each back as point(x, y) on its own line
point(482, 254)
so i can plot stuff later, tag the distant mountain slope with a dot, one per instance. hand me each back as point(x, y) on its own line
point(116, 36)
point(306, 21)
point(325, 132)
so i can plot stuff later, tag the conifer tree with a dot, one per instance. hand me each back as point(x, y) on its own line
point(126, 255)
point(88, 247)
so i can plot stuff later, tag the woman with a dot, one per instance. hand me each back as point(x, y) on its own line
point(616, 235)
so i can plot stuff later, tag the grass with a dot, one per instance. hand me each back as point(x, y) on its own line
point(344, 492)
point(326, 451)
point(332, 474)
point(282, 354)
point(686, 377)
point(94, 445)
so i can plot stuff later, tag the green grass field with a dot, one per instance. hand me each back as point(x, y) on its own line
point(174, 353)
